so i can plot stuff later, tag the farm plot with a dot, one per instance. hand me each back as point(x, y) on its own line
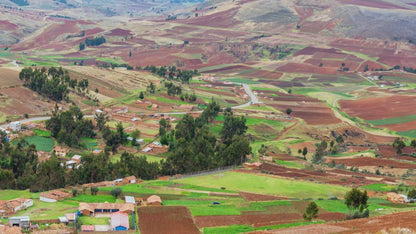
point(41, 143)
point(9, 77)
point(390, 111)
point(265, 185)
point(166, 219)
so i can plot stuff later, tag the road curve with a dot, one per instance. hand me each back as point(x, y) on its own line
point(246, 87)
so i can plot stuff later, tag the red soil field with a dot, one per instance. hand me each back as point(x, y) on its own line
point(24, 101)
point(224, 19)
point(372, 3)
point(401, 126)
point(304, 13)
point(306, 68)
point(368, 225)
point(317, 26)
point(260, 197)
point(313, 50)
point(380, 107)
point(166, 219)
point(7, 26)
point(374, 162)
point(264, 74)
point(119, 32)
point(388, 151)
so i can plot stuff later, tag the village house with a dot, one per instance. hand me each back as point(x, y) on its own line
point(130, 180)
point(10, 207)
point(43, 156)
point(15, 126)
point(119, 109)
point(60, 151)
point(154, 200)
point(54, 196)
point(119, 221)
point(77, 158)
point(92, 208)
point(70, 164)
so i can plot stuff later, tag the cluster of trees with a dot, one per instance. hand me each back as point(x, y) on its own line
point(322, 148)
point(409, 69)
point(399, 144)
point(356, 202)
point(193, 147)
point(172, 73)
point(92, 42)
point(69, 126)
point(173, 89)
point(52, 83)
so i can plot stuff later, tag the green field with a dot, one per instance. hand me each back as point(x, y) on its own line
point(266, 185)
point(46, 210)
point(86, 220)
point(410, 133)
point(41, 143)
point(43, 133)
point(12, 194)
point(235, 229)
point(89, 143)
point(93, 199)
point(403, 119)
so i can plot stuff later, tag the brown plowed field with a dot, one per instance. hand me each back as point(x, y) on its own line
point(119, 32)
point(401, 126)
point(166, 219)
point(374, 162)
point(260, 197)
point(306, 68)
point(222, 19)
point(23, 101)
point(9, 77)
point(388, 151)
point(7, 26)
point(368, 225)
point(380, 107)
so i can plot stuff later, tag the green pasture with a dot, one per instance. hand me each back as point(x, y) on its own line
point(9, 194)
point(93, 198)
point(86, 220)
point(266, 185)
point(47, 210)
point(398, 120)
point(410, 133)
point(41, 143)
point(235, 229)
point(43, 133)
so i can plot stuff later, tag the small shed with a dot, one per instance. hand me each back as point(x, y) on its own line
point(63, 220)
point(119, 221)
point(70, 216)
point(154, 200)
point(130, 199)
point(20, 221)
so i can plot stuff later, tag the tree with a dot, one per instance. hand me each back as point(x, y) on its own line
point(399, 144)
point(94, 190)
point(288, 111)
point(305, 152)
point(311, 212)
point(101, 119)
point(357, 201)
point(411, 194)
point(74, 192)
point(116, 192)
point(81, 46)
point(135, 134)
point(141, 95)
point(413, 144)
point(339, 139)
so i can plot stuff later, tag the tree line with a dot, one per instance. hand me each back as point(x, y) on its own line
point(54, 83)
point(92, 42)
point(172, 73)
point(192, 147)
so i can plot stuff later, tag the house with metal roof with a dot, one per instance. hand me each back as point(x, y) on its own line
point(119, 221)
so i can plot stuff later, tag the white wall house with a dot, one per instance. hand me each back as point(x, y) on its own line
point(15, 126)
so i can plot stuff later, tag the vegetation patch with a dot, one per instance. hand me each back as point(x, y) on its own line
point(398, 120)
point(41, 143)
point(264, 184)
point(42, 133)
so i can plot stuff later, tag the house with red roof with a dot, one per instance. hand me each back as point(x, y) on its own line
point(119, 221)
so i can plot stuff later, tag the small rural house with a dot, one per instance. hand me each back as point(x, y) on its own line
point(60, 151)
point(70, 216)
point(15, 126)
point(70, 164)
point(154, 200)
point(92, 208)
point(119, 221)
point(63, 220)
point(54, 196)
point(130, 180)
point(77, 158)
point(10, 207)
point(21, 221)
